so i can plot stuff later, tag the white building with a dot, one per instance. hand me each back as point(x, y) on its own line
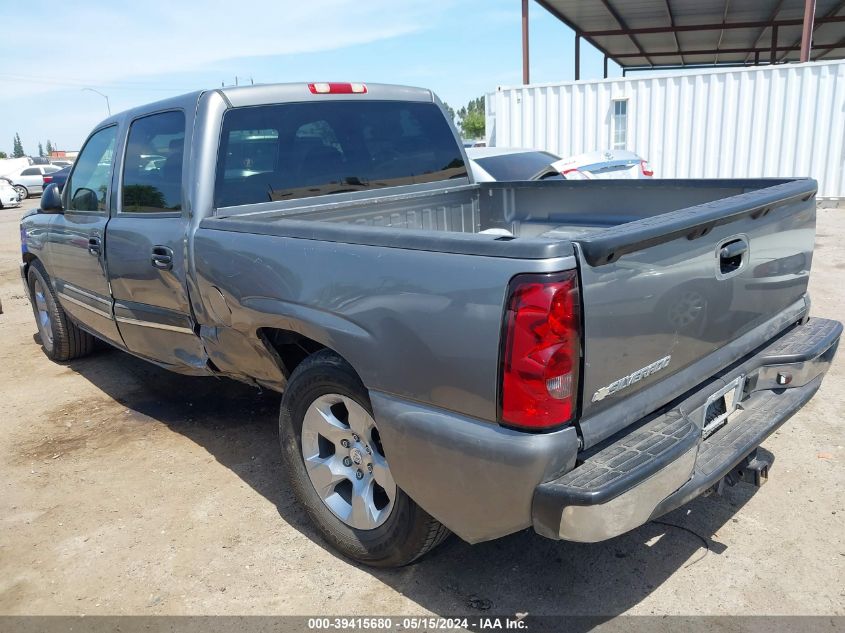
point(760, 121)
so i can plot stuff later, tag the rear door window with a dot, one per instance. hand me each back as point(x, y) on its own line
point(297, 150)
point(152, 169)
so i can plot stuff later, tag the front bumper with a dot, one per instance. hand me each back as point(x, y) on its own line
point(665, 461)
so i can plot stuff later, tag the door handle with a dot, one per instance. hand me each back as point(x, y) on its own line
point(162, 257)
point(95, 246)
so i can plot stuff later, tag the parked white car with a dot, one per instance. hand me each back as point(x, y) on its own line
point(491, 164)
point(8, 194)
point(30, 180)
point(610, 164)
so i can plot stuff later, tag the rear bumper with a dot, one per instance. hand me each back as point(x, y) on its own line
point(665, 462)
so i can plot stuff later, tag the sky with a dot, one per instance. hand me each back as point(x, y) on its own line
point(139, 52)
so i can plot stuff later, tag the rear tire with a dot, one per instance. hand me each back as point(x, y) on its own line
point(61, 338)
point(397, 531)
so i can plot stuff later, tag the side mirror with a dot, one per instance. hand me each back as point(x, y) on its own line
point(51, 199)
point(84, 199)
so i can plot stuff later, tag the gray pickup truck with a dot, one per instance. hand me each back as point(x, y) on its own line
point(574, 356)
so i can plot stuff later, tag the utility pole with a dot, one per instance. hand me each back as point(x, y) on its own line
point(525, 65)
point(807, 31)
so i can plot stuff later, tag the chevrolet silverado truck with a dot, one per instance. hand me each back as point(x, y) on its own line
point(574, 356)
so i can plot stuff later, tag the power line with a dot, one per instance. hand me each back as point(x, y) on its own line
point(79, 83)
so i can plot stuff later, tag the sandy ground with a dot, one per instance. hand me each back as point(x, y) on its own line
point(125, 489)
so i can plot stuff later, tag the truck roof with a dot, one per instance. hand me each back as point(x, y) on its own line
point(283, 93)
point(263, 94)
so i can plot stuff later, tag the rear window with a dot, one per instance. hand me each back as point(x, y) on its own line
point(298, 150)
point(521, 166)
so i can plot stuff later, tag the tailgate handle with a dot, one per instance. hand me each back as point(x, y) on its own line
point(731, 256)
point(733, 249)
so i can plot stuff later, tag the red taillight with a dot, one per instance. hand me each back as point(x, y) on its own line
point(333, 88)
point(542, 351)
point(47, 179)
point(644, 167)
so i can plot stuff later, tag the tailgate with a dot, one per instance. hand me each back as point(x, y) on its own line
point(672, 299)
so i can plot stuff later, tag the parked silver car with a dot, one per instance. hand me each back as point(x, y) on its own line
point(605, 165)
point(30, 180)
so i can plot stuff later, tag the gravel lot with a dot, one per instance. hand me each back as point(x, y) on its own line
point(125, 489)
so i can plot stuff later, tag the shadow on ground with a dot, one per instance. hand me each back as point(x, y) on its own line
point(520, 573)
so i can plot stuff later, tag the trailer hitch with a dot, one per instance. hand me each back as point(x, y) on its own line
point(754, 469)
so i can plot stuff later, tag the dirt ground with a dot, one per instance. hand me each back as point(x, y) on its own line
point(125, 489)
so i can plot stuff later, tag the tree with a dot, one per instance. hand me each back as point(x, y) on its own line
point(40, 149)
point(50, 148)
point(471, 119)
point(4, 155)
point(17, 147)
point(450, 111)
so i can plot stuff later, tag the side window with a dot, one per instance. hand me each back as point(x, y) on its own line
point(152, 170)
point(89, 182)
point(32, 171)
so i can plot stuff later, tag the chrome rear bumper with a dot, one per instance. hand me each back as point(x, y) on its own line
point(664, 462)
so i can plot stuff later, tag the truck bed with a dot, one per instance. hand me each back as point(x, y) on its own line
point(476, 219)
point(647, 253)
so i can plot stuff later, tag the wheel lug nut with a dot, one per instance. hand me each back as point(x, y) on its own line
point(359, 474)
point(344, 443)
point(355, 437)
point(369, 450)
point(347, 461)
point(370, 467)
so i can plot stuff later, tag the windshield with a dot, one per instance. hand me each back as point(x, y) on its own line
point(297, 150)
point(521, 166)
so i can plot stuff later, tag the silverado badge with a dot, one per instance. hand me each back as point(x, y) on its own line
point(630, 379)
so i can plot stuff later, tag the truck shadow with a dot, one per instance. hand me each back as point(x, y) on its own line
point(524, 572)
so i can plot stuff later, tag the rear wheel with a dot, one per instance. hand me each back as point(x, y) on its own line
point(339, 470)
point(61, 338)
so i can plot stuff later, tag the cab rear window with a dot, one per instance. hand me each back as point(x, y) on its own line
point(289, 151)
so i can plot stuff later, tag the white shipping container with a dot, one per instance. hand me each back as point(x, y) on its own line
point(784, 120)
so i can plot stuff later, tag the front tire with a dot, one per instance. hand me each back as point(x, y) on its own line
point(23, 192)
point(61, 338)
point(339, 472)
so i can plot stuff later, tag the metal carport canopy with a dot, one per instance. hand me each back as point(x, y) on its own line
point(653, 34)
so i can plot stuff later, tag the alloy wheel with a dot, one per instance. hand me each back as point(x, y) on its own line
point(345, 461)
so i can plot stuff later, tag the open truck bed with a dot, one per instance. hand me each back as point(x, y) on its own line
point(653, 280)
point(685, 291)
